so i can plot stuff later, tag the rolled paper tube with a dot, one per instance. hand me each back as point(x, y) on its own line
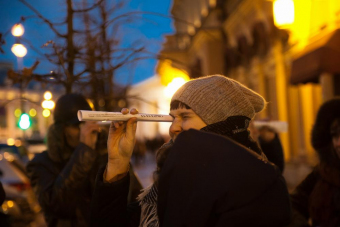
point(86, 115)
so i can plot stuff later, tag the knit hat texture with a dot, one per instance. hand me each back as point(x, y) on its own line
point(215, 98)
point(67, 107)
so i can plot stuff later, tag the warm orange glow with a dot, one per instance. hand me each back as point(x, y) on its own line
point(90, 103)
point(10, 203)
point(168, 73)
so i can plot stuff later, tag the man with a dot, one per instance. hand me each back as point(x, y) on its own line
point(318, 197)
point(63, 176)
point(210, 174)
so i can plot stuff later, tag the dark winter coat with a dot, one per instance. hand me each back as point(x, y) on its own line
point(63, 179)
point(207, 180)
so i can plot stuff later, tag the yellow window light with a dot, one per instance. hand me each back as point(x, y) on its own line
point(46, 113)
point(283, 12)
point(33, 112)
point(17, 112)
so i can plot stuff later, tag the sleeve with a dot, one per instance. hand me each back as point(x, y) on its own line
point(58, 192)
point(300, 197)
point(109, 204)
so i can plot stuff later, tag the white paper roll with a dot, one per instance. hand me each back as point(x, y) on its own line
point(86, 115)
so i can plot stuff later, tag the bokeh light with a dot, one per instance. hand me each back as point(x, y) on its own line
point(46, 113)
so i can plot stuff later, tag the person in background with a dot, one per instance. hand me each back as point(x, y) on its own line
point(270, 144)
point(211, 173)
point(63, 176)
point(316, 200)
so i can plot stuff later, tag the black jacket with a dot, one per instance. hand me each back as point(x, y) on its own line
point(207, 180)
point(63, 180)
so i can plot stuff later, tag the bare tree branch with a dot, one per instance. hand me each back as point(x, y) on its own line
point(43, 18)
point(90, 8)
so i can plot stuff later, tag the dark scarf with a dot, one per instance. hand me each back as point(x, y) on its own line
point(235, 128)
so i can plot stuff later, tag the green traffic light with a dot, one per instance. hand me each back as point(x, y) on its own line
point(24, 121)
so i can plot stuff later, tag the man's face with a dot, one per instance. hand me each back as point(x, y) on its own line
point(184, 119)
point(336, 143)
point(72, 135)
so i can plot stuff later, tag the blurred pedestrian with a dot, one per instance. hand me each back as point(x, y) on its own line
point(63, 176)
point(270, 144)
point(317, 198)
point(210, 173)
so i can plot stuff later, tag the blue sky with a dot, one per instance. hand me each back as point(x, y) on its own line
point(148, 31)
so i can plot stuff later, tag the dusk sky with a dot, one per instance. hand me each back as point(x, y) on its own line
point(148, 31)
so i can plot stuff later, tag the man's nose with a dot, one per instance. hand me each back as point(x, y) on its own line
point(175, 127)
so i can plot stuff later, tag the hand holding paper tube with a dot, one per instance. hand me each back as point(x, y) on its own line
point(86, 115)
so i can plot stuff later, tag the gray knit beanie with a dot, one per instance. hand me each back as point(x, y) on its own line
point(215, 98)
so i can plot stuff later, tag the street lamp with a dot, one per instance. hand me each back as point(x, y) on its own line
point(18, 30)
point(47, 104)
point(18, 49)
